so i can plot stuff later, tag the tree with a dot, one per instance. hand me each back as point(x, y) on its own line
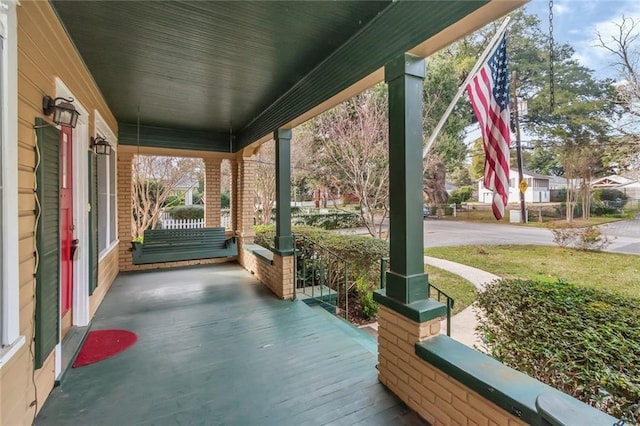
point(265, 182)
point(435, 173)
point(351, 145)
point(154, 179)
point(624, 46)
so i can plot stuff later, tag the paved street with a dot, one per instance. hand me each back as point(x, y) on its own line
point(625, 235)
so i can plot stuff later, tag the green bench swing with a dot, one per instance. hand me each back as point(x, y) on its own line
point(171, 245)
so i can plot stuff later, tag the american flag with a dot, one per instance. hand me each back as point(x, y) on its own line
point(489, 95)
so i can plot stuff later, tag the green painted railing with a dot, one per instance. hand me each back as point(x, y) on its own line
point(441, 296)
point(322, 276)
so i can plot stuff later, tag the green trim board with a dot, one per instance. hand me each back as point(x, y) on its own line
point(419, 311)
point(509, 389)
point(159, 137)
point(47, 292)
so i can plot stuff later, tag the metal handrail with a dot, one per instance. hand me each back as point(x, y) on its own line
point(332, 273)
point(440, 294)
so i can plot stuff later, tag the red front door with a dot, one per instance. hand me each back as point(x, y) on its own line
point(66, 223)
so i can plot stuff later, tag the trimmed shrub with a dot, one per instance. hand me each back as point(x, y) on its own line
point(187, 212)
point(341, 220)
point(362, 252)
point(582, 341)
point(589, 238)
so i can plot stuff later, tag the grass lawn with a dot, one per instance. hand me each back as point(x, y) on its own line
point(461, 290)
point(614, 272)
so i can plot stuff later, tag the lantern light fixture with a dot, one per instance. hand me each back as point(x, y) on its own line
point(101, 146)
point(64, 113)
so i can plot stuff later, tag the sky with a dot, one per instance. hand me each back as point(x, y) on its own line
point(577, 21)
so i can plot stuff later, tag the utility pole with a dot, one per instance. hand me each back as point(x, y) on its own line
point(522, 185)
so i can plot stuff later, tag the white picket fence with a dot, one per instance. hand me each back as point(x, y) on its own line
point(169, 223)
point(182, 224)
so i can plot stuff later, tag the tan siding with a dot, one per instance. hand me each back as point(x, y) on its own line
point(107, 272)
point(44, 53)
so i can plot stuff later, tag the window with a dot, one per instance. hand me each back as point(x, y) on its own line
point(106, 183)
point(107, 225)
point(10, 340)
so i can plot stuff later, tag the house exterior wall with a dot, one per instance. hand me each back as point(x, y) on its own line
point(44, 53)
point(537, 192)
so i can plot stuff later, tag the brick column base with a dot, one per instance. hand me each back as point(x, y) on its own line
point(434, 395)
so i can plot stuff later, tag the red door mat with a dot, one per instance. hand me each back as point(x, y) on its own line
point(103, 344)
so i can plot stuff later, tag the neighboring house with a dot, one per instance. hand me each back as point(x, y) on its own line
point(611, 181)
point(629, 187)
point(632, 189)
point(557, 188)
point(538, 189)
point(186, 186)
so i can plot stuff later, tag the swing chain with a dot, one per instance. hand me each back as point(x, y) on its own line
point(551, 47)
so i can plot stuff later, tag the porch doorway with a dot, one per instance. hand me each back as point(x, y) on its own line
point(68, 245)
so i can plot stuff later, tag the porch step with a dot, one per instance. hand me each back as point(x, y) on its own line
point(363, 338)
point(71, 345)
point(316, 294)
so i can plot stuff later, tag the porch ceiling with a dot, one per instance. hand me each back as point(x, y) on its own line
point(248, 67)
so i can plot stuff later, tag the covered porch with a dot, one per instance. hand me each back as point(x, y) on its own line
point(216, 347)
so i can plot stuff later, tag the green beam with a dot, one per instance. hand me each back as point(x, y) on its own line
point(406, 280)
point(160, 137)
point(283, 239)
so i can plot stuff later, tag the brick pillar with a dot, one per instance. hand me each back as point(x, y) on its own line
point(399, 368)
point(283, 276)
point(125, 179)
point(246, 195)
point(234, 202)
point(212, 192)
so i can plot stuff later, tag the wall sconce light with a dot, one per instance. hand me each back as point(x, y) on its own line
point(101, 146)
point(64, 113)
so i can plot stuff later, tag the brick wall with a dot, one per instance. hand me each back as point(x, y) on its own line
point(435, 396)
point(124, 195)
point(278, 277)
point(246, 194)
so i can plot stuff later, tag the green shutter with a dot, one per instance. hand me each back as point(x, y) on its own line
point(47, 242)
point(93, 223)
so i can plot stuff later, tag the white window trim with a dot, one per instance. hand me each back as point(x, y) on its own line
point(11, 341)
point(102, 129)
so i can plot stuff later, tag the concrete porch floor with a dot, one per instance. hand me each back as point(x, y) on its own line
point(216, 347)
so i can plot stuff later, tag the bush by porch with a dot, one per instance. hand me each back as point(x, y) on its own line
point(582, 341)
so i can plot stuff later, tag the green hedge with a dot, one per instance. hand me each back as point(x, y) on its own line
point(582, 341)
point(187, 212)
point(340, 220)
point(363, 253)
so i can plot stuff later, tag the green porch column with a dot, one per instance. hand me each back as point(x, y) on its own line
point(284, 239)
point(406, 280)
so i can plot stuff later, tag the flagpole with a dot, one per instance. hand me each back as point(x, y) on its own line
point(516, 118)
point(490, 48)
